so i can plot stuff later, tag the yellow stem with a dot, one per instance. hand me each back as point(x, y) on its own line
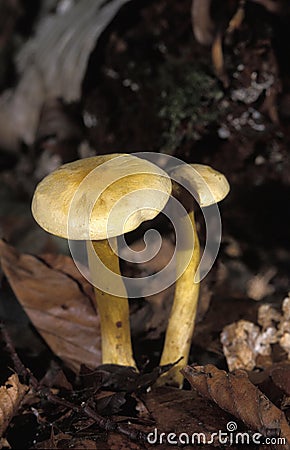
point(113, 310)
point(182, 317)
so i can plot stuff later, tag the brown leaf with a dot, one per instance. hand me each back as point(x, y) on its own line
point(121, 378)
point(274, 382)
point(11, 395)
point(121, 442)
point(280, 374)
point(58, 301)
point(234, 393)
point(184, 413)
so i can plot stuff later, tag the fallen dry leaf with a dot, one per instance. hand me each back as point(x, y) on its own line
point(120, 442)
point(58, 301)
point(11, 395)
point(193, 419)
point(121, 378)
point(280, 375)
point(234, 393)
point(274, 382)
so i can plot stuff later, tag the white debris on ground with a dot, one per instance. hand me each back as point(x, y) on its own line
point(243, 341)
point(238, 341)
point(284, 327)
point(259, 286)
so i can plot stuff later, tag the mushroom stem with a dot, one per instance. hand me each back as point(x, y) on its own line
point(182, 317)
point(113, 310)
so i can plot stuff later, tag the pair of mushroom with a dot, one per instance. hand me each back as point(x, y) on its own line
point(100, 198)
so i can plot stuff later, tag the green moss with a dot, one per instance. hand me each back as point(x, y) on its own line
point(188, 103)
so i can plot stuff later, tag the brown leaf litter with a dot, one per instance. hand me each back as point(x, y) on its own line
point(157, 416)
point(59, 303)
point(234, 393)
point(11, 396)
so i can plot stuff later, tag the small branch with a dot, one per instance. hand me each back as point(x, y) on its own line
point(103, 423)
point(109, 425)
point(19, 367)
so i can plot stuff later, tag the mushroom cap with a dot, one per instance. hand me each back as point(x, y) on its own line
point(207, 184)
point(100, 197)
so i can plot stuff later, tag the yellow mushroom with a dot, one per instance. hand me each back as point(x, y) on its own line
point(97, 199)
point(208, 187)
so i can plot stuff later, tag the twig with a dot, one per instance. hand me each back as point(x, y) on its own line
point(109, 425)
point(103, 423)
point(19, 367)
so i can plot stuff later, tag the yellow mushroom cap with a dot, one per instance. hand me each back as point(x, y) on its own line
point(100, 197)
point(208, 185)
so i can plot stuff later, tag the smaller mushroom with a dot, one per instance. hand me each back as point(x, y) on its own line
point(209, 187)
point(97, 199)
